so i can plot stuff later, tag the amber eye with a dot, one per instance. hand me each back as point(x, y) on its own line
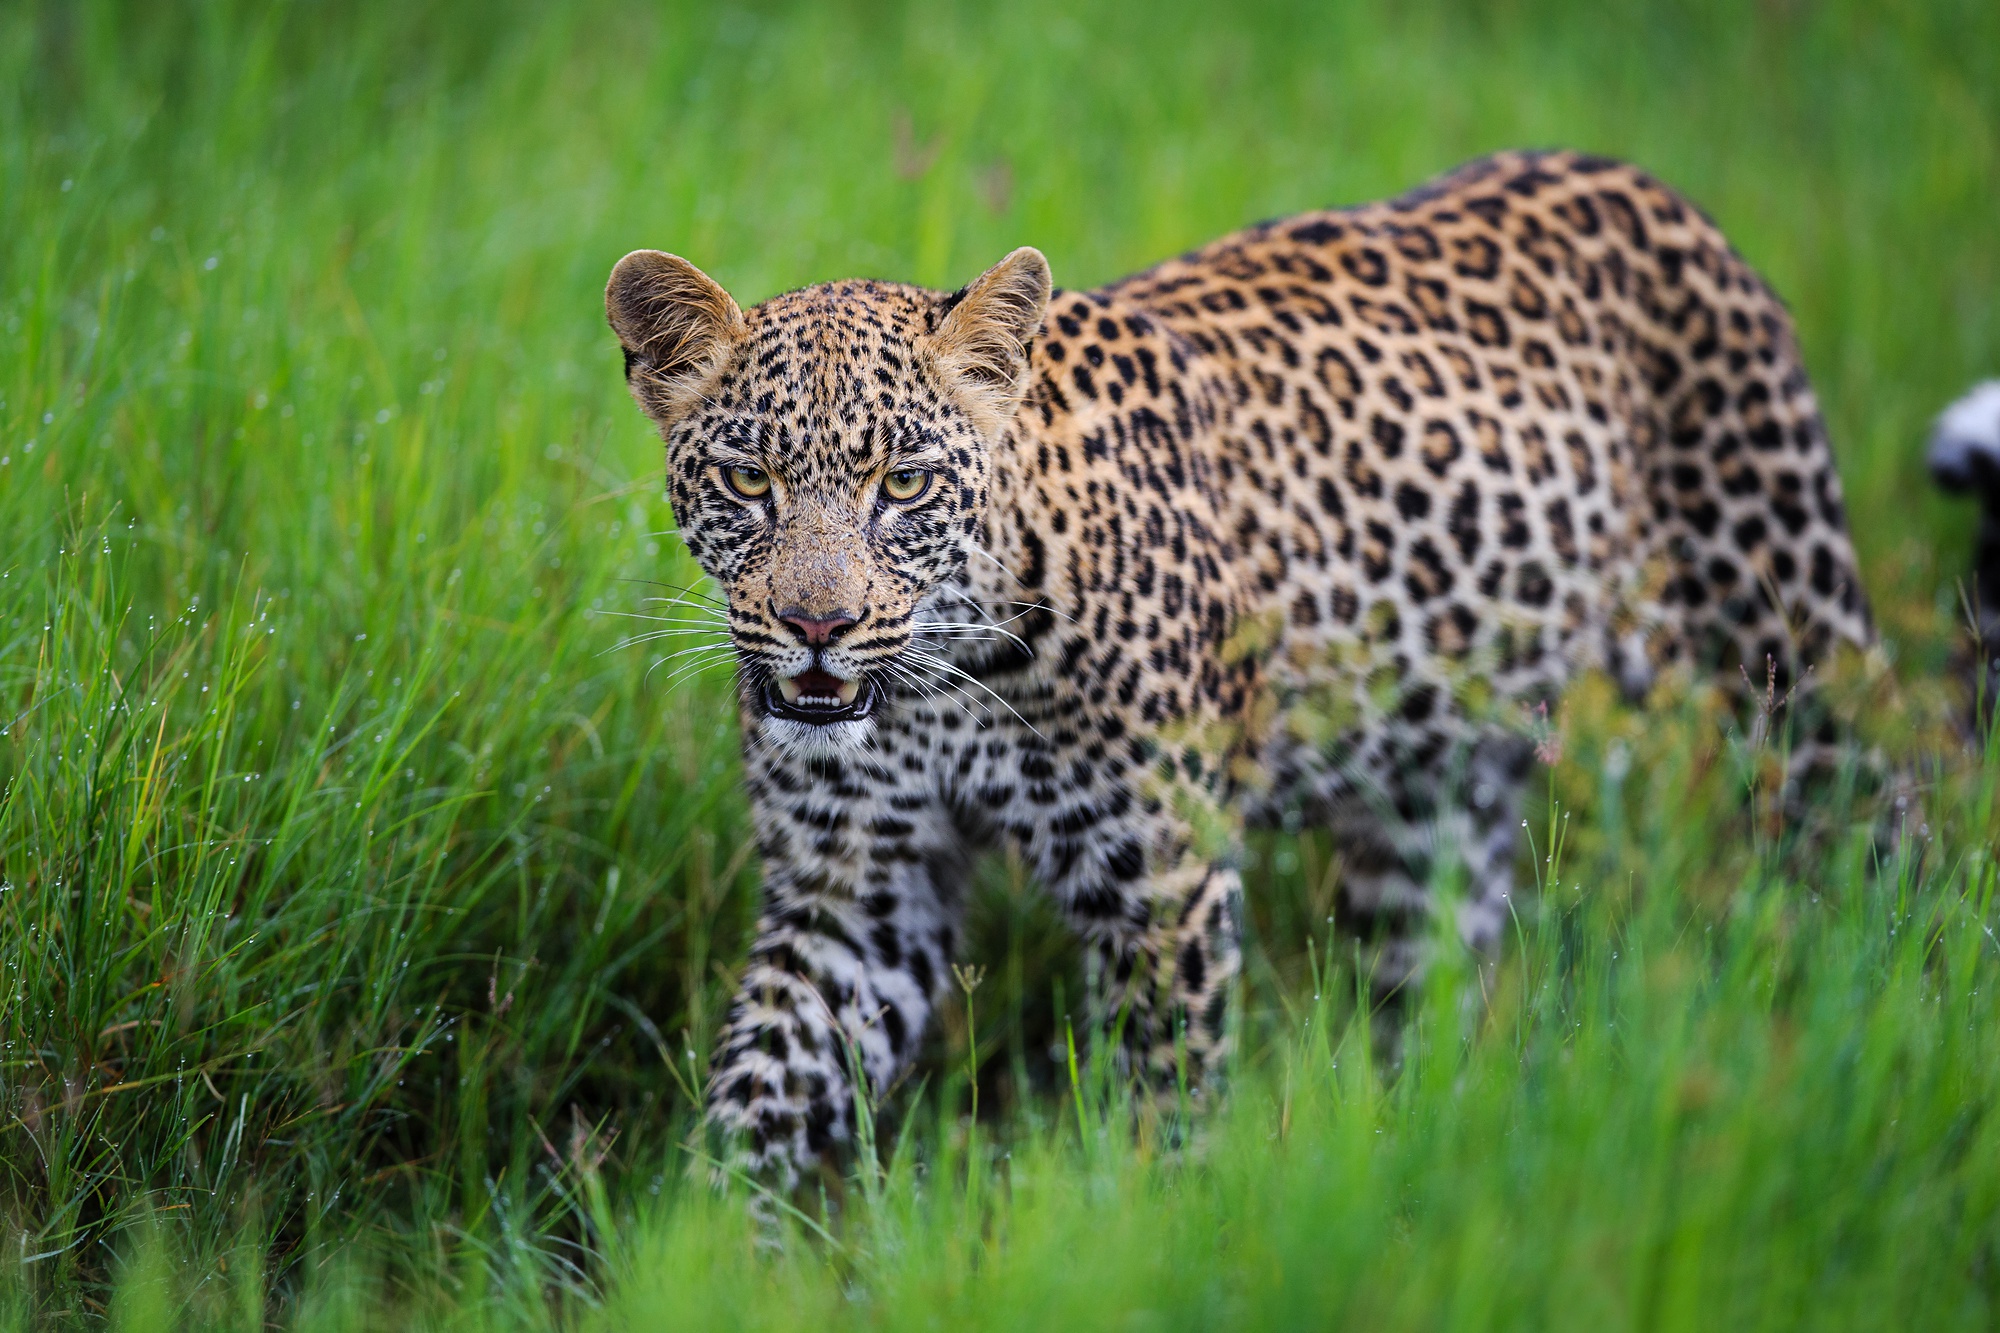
point(752, 483)
point(906, 484)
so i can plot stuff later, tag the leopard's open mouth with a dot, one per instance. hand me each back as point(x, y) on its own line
point(819, 697)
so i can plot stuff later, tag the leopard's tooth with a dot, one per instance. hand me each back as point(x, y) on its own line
point(849, 691)
point(789, 688)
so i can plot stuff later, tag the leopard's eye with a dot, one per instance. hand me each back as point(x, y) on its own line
point(752, 483)
point(906, 484)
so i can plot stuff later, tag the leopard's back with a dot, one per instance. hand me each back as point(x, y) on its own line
point(1534, 417)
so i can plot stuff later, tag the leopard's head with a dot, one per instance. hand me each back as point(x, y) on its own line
point(829, 455)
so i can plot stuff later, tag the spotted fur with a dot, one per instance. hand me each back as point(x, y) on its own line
point(1289, 528)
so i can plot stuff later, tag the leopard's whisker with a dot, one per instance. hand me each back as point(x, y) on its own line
point(651, 636)
point(925, 689)
point(936, 664)
point(979, 550)
point(935, 626)
point(682, 604)
point(717, 621)
point(699, 652)
point(695, 650)
point(1029, 608)
point(931, 690)
point(654, 635)
point(715, 646)
point(956, 635)
point(682, 627)
point(686, 669)
point(682, 588)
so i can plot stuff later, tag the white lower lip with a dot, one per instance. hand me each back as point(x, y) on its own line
point(850, 690)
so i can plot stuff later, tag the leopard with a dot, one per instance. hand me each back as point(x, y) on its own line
point(1289, 531)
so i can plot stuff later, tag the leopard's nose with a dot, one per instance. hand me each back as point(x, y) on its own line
point(817, 631)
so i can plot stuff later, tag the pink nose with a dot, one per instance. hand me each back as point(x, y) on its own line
point(817, 631)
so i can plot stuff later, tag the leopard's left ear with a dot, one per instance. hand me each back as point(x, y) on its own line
point(981, 343)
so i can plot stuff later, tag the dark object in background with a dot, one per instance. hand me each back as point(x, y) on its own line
point(1965, 458)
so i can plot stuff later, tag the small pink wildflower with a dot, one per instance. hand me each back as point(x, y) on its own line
point(1548, 737)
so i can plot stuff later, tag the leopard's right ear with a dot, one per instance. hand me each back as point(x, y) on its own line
point(677, 327)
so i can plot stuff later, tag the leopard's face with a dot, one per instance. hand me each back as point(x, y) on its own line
point(828, 460)
point(829, 483)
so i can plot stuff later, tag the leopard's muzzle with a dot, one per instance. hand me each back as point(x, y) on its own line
point(820, 697)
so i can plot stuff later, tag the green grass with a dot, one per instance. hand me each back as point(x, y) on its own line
point(366, 913)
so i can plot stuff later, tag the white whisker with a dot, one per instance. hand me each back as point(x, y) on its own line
point(937, 664)
point(1029, 608)
point(931, 691)
point(683, 671)
point(683, 589)
point(700, 652)
point(981, 551)
point(951, 629)
point(639, 639)
point(705, 619)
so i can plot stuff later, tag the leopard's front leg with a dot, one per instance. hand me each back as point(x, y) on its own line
point(1163, 919)
point(1185, 963)
point(861, 905)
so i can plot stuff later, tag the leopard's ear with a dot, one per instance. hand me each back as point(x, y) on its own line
point(676, 324)
point(982, 339)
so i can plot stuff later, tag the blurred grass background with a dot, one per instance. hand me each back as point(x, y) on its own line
point(365, 911)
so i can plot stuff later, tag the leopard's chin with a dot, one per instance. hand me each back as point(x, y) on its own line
point(817, 740)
